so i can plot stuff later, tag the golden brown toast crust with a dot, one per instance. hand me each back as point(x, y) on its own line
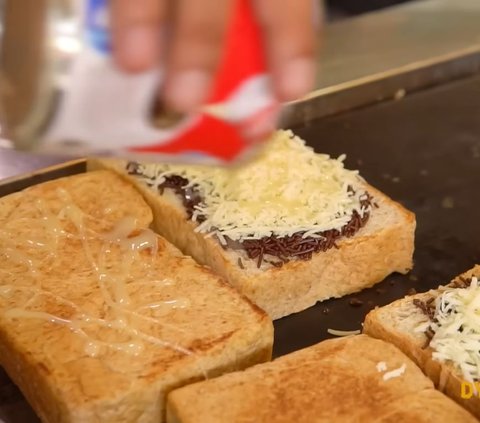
point(108, 362)
point(334, 381)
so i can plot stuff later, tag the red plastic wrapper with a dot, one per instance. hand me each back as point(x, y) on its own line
point(107, 112)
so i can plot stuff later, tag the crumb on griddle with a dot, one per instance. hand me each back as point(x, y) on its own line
point(355, 302)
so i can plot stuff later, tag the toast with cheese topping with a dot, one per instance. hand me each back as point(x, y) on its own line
point(287, 229)
point(100, 317)
point(439, 330)
point(355, 379)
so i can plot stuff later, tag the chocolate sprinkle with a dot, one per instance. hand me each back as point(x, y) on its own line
point(190, 195)
point(427, 307)
point(461, 283)
point(297, 246)
point(273, 250)
point(429, 333)
point(240, 263)
point(134, 168)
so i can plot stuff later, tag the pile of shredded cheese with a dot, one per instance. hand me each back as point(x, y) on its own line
point(287, 189)
point(457, 329)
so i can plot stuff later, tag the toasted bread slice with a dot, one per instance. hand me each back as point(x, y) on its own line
point(99, 317)
point(397, 323)
point(383, 246)
point(340, 380)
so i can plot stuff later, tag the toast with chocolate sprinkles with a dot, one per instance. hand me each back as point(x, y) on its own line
point(355, 379)
point(440, 331)
point(289, 229)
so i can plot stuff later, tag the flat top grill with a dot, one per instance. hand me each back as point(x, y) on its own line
point(423, 151)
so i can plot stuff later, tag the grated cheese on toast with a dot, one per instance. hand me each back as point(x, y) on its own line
point(286, 190)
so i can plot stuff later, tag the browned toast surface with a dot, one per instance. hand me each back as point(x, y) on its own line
point(100, 317)
point(355, 379)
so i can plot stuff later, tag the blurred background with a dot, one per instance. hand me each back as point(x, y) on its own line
point(373, 51)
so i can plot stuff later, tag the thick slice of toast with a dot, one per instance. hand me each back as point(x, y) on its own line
point(383, 246)
point(397, 323)
point(355, 379)
point(99, 317)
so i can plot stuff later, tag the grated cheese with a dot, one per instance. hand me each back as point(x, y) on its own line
point(336, 332)
point(395, 372)
point(381, 366)
point(457, 329)
point(287, 189)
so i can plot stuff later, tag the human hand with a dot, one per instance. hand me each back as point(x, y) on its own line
point(191, 52)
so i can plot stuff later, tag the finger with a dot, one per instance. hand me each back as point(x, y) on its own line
point(136, 27)
point(290, 40)
point(198, 39)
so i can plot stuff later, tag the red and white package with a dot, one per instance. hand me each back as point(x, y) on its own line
point(106, 111)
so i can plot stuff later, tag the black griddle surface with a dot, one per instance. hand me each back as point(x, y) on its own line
point(423, 151)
